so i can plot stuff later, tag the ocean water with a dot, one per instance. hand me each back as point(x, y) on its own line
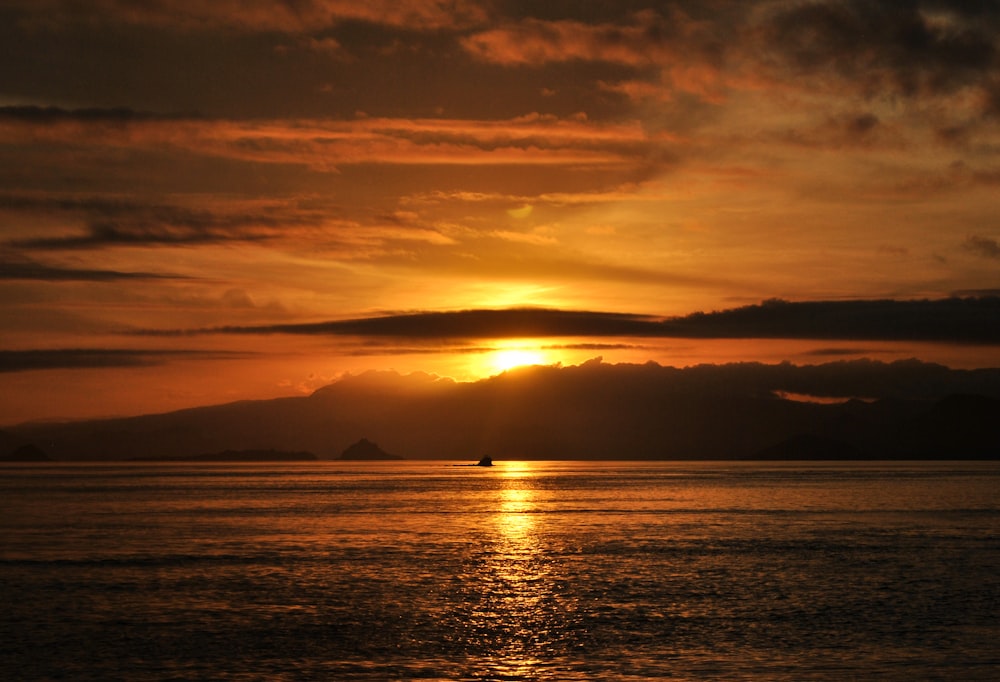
point(525, 571)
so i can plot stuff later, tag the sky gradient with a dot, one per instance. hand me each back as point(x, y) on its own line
point(212, 201)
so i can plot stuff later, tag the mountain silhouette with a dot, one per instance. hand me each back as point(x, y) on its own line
point(365, 450)
point(965, 425)
point(590, 411)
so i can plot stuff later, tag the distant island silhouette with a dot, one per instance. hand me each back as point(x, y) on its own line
point(366, 451)
point(26, 453)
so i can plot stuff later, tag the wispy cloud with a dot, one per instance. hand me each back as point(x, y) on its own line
point(625, 192)
point(983, 246)
point(326, 144)
point(107, 221)
point(23, 269)
point(647, 39)
point(33, 114)
point(687, 55)
point(912, 48)
point(254, 15)
point(93, 358)
point(97, 222)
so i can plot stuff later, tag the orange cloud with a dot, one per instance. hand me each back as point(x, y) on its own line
point(628, 192)
point(689, 60)
point(326, 144)
point(534, 41)
point(532, 238)
point(104, 221)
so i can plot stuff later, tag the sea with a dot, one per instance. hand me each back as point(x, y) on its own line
point(522, 571)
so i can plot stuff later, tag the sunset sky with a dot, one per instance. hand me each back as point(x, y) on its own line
point(208, 201)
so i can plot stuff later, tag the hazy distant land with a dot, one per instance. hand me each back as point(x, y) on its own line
point(838, 410)
point(270, 455)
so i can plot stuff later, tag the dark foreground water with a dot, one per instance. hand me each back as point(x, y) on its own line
point(535, 571)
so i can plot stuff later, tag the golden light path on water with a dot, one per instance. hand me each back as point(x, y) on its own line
point(522, 609)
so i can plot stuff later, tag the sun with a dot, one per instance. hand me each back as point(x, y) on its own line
point(504, 359)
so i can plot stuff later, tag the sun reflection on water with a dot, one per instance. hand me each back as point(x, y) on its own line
point(521, 612)
point(515, 520)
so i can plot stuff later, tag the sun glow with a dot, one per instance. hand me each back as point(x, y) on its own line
point(510, 357)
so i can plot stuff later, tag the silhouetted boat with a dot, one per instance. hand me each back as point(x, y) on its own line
point(485, 462)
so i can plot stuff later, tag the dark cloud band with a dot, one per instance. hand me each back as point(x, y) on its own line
point(28, 270)
point(961, 320)
point(96, 358)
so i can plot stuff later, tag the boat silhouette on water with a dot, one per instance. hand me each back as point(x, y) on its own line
point(485, 462)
